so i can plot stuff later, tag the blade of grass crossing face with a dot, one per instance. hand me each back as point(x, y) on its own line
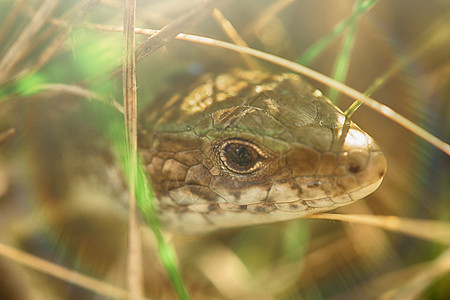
point(145, 201)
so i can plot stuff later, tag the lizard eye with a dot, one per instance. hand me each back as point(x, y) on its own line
point(240, 156)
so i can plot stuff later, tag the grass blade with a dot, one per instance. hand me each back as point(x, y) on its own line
point(314, 51)
point(342, 63)
point(130, 107)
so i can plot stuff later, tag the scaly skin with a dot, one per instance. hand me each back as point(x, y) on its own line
point(249, 147)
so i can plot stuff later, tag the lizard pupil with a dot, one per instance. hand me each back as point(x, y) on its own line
point(240, 156)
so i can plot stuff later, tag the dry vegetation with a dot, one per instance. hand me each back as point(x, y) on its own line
point(63, 197)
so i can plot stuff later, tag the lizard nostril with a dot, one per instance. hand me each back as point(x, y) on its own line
point(354, 168)
point(357, 160)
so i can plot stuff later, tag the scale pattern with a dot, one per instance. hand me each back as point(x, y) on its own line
point(248, 147)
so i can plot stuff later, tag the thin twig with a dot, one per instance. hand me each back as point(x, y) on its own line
point(170, 31)
point(163, 36)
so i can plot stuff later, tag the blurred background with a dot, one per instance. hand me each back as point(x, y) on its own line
point(63, 197)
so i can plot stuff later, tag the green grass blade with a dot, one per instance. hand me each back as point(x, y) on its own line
point(342, 63)
point(317, 48)
point(111, 123)
point(146, 203)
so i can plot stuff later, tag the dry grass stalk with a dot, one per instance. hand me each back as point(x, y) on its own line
point(17, 50)
point(428, 274)
point(343, 88)
point(80, 92)
point(8, 23)
point(41, 265)
point(6, 134)
point(429, 230)
point(267, 16)
point(170, 31)
point(229, 29)
point(78, 13)
point(130, 107)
